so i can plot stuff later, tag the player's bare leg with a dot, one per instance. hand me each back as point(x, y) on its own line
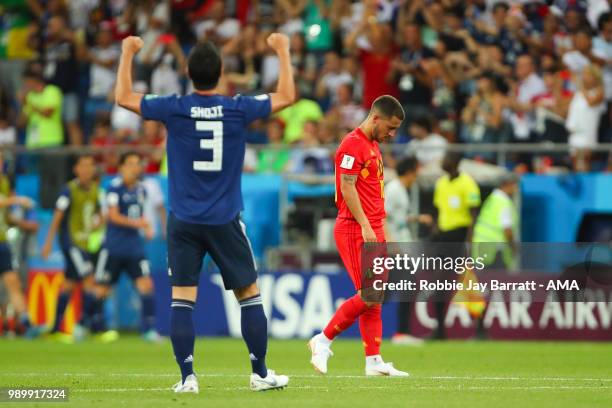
point(17, 299)
point(254, 326)
point(144, 285)
point(182, 335)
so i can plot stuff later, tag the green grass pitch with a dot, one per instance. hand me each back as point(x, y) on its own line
point(131, 373)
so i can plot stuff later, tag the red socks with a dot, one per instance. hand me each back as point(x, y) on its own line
point(345, 316)
point(370, 326)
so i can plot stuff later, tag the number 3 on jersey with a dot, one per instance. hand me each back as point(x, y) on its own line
point(215, 144)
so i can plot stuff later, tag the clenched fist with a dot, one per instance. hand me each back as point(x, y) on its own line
point(278, 42)
point(131, 44)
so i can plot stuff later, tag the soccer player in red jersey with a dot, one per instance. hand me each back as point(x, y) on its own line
point(361, 213)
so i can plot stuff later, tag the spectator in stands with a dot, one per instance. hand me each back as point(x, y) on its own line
point(522, 94)
point(103, 138)
point(551, 108)
point(331, 77)
point(60, 57)
point(216, 26)
point(275, 158)
point(42, 111)
point(308, 156)
point(165, 80)
point(345, 112)
point(583, 116)
point(8, 131)
point(296, 115)
point(372, 41)
point(427, 146)
point(103, 63)
point(602, 48)
point(581, 56)
point(483, 115)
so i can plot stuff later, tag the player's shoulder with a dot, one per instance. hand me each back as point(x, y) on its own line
point(352, 141)
point(115, 184)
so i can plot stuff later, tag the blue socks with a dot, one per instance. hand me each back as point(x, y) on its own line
point(147, 312)
point(182, 334)
point(62, 303)
point(89, 301)
point(254, 325)
point(98, 321)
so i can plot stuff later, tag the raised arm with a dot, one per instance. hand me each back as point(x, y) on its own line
point(124, 96)
point(285, 89)
point(58, 216)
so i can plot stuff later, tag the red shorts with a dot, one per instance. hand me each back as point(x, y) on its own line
point(349, 242)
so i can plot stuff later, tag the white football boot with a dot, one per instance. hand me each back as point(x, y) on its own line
point(271, 382)
point(375, 366)
point(189, 386)
point(320, 353)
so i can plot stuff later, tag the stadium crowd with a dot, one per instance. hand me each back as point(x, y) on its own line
point(478, 71)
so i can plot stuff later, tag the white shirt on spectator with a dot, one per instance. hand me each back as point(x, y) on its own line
point(8, 136)
point(165, 81)
point(603, 50)
point(524, 122)
point(430, 149)
point(229, 28)
point(103, 78)
point(269, 71)
point(583, 122)
point(397, 206)
point(575, 61)
point(333, 80)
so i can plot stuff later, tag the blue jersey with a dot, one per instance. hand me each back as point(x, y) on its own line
point(120, 240)
point(205, 149)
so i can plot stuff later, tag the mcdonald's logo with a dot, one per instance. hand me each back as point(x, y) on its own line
point(42, 294)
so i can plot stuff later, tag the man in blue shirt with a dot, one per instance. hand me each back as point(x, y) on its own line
point(206, 144)
point(123, 248)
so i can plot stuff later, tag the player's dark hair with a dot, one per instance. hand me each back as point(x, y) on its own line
point(204, 65)
point(388, 106)
point(126, 155)
point(502, 5)
point(407, 165)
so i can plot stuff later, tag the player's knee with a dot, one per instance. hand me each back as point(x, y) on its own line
point(88, 283)
point(68, 286)
point(246, 292)
point(11, 280)
point(185, 292)
point(102, 291)
point(144, 285)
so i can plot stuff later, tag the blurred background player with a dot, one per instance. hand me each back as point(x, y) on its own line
point(397, 229)
point(205, 196)
point(78, 213)
point(457, 198)
point(9, 277)
point(495, 235)
point(123, 249)
point(360, 198)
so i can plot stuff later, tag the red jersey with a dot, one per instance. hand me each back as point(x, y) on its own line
point(361, 156)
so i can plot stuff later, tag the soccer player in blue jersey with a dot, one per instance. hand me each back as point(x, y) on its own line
point(206, 145)
point(123, 249)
